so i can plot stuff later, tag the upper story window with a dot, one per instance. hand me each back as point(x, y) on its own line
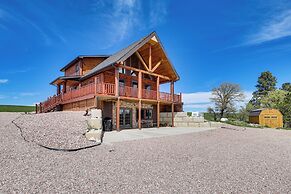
point(148, 87)
point(77, 69)
point(132, 73)
point(122, 70)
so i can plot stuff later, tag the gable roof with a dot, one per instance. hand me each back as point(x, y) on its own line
point(124, 54)
point(81, 57)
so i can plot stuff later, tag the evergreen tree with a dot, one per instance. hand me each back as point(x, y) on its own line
point(266, 83)
point(286, 87)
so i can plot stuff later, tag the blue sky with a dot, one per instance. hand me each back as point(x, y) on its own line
point(209, 42)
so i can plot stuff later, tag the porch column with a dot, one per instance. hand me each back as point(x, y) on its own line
point(65, 87)
point(158, 99)
point(158, 88)
point(172, 98)
point(116, 81)
point(102, 84)
point(158, 114)
point(58, 89)
point(95, 83)
point(117, 114)
point(139, 114)
point(139, 97)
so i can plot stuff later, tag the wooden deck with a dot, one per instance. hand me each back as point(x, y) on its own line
point(104, 89)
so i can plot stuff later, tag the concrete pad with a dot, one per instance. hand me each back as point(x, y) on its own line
point(135, 134)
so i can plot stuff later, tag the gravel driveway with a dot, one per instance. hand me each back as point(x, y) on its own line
point(220, 160)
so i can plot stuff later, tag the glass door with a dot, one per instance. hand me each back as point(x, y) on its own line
point(125, 118)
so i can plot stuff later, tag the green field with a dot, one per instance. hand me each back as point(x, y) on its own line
point(16, 108)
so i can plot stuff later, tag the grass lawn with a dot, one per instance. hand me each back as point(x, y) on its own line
point(16, 108)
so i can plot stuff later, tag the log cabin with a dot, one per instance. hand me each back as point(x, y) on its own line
point(125, 85)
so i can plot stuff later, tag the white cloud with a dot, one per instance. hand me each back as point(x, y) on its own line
point(3, 81)
point(122, 17)
point(29, 94)
point(201, 100)
point(276, 28)
point(197, 97)
point(158, 12)
point(47, 33)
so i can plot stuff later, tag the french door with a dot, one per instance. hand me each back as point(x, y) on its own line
point(125, 118)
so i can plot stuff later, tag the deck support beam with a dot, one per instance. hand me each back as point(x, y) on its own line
point(150, 57)
point(65, 87)
point(117, 114)
point(172, 98)
point(58, 89)
point(116, 80)
point(143, 71)
point(158, 114)
point(139, 114)
point(139, 86)
point(142, 61)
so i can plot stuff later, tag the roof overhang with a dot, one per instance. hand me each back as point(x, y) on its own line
point(81, 57)
point(64, 78)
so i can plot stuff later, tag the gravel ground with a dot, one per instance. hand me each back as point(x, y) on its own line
point(221, 161)
point(58, 129)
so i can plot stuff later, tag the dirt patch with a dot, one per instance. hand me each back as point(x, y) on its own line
point(58, 129)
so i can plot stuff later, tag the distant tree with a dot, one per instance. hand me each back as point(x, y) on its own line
point(213, 113)
point(286, 87)
point(244, 111)
point(266, 83)
point(273, 99)
point(285, 109)
point(225, 96)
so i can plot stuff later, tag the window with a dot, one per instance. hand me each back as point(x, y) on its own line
point(148, 87)
point(121, 83)
point(77, 69)
point(146, 114)
point(132, 73)
point(134, 84)
point(122, 70)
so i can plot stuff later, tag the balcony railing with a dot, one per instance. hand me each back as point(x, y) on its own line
point(107, 89)
point(128, 91)
point(149, 94)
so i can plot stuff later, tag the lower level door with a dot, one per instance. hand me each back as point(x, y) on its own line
point(125, 118)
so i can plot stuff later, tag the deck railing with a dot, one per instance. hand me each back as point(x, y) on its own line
point(149, 94)
point(128, 91)
point(103, 89)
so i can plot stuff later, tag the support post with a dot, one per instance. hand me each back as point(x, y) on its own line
point(158, 114)
point(95, 83)
point(102, 83)
point(139, 114)
point(139, 97)
point(65, 87)
point(116, 81)
point(172, 98)
point(139, 86)
point(173, 124)
point(117, 114)
point(158, 88)
point(58, 89)
point(150, 57)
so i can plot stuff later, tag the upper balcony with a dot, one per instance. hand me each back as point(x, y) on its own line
point(106, 89)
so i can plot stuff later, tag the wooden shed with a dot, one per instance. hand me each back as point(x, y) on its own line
point(266, 117)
